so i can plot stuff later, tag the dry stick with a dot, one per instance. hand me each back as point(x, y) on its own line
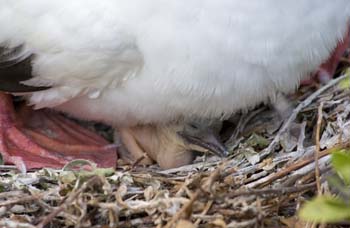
point(245, 223)
point(183, 186)
point(205, 211)
point(67, 202)
point(296, 111)
point(11, 223)
point(177, 216)
point(21, 200)
point(137, 222)
point(297, 165)
point(140, 159)
point(317, 151)
point(194, 197)
point(12, 194)
point(244, 120)
point(8, 167)
point(270, 191)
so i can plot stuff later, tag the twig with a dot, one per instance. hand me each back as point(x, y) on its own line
point(204, 212)
point(296, 111)
point(137, 222)
point(9, 224)
point(243, 121)
point(297, 165)
point(21, 200)
point(11, 194)
point(8, 167)
point(194, 197)
point(67, 202)
point(317, 150)
point(140, 159)
point(188, 168)
point(246, 223)
point(270, 191)
point(185, 208)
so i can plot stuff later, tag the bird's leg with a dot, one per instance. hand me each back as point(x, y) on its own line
point(35, 139)
point(327, 70)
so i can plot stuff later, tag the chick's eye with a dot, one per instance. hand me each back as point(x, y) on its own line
point(195, 127)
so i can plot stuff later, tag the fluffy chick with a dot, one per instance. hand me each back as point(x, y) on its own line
point(169, 145)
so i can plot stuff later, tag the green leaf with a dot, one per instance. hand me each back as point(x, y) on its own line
point(345, 83)
point(325, 209)
point(79, 164)
point(1, 160)
point(256, 140)
point(85, 168)
point(67, 177)
point(341, 164)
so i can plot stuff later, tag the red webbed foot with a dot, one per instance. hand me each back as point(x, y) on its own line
point(36, 139)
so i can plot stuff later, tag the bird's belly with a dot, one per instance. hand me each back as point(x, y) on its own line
point(144, 101)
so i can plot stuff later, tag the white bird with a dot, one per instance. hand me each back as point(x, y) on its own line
point(151, 67)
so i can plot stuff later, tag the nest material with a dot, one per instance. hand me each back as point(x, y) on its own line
point(274, 167)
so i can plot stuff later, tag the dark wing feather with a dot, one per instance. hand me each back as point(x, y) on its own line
point(16, 67)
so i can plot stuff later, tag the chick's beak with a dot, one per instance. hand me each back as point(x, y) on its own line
point(208, 141)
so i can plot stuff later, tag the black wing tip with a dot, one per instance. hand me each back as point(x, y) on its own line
point(15, 68)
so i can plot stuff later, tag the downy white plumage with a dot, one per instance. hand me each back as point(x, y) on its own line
point(130, 62)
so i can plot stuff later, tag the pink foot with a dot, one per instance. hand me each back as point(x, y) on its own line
point(37, 139)
point(327, 70)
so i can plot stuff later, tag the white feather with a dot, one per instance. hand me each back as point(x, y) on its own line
point(144, 61)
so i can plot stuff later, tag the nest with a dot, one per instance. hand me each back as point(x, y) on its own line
point(275, 166)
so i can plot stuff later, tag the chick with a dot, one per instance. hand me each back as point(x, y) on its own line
point(170, 145)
